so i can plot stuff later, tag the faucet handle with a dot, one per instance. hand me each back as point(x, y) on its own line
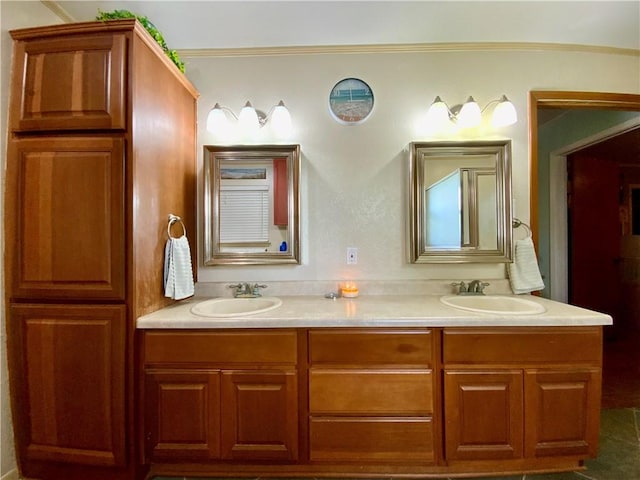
point(239, 288)
point(481, 286)
point(256, 289)
point(462, 287)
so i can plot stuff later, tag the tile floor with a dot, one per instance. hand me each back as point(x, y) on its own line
point(619, 453)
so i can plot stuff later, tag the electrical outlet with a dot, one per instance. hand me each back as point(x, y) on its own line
point(352, 255)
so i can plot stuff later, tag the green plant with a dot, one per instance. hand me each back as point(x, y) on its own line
point(149, 27)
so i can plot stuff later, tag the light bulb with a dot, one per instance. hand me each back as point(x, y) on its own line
point(438, 113)
point(217, 120)
point(281, 120)
point(248, 119)
point(504, 114)
point(470, 115)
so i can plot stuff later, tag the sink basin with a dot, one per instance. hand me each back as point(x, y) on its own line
point(235, 307)
point(499, 304)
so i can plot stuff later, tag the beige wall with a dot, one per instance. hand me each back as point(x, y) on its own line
point(12, 15)
point(354, 177)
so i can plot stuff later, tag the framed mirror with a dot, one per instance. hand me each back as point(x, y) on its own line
point(251, 204)
point(460, 202)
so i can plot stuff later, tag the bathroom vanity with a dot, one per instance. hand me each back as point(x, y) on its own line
point(380, 385)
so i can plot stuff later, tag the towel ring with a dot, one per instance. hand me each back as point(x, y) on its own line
point(516, 222)
point(173, 219)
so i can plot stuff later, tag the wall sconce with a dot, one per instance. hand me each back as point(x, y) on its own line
point(250, 120)
point(470, 115)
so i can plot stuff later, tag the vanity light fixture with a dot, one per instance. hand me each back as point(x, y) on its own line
point(470, 115)
point(250, 120)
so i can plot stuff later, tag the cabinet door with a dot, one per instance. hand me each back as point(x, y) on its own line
point(70, 83)
point(563, 414)
point(259, 415)
point(68, 370)
point(68, 204)
point(182, 414)
point(483, 413)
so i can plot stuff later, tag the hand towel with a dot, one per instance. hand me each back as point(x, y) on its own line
point(524, 273)
point(178, 275)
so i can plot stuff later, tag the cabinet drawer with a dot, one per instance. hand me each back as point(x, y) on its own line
point(399, 392)
point(384, 439)
point(371, 347)
point(522, 344)
point(231, 347)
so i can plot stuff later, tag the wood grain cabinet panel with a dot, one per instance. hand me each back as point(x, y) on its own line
point(371, 347)
point(260, 415)
point(69, 199)
point(371, 396)
point(70, 83)
point(522, 392)
point(372, 439)
point(221, 347)
point(522, 345)
point(377, 392)
point(182, 414)
point(562, 411)
point(71, 378)
point(483, 414)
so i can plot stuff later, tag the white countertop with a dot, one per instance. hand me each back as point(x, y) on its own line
point(370, 311)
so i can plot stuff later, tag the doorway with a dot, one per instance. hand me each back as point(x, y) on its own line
point(621, 376)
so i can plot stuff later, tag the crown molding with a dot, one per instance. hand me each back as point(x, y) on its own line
point(404, 48)
point(58, 10)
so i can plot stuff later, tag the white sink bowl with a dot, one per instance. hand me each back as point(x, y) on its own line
point(498, 304)
point(235, 307)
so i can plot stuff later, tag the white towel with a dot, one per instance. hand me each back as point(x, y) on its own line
point(178, 275)
point(524, 272)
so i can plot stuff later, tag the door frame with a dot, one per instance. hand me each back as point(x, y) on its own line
point(558, 225)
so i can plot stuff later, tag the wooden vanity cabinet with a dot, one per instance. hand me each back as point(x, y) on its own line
point(233, 396)
point(92, 175)
point(371, 396)
point(370, 401)
point(521, 393)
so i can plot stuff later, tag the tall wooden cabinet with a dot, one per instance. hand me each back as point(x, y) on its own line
point(101, 149)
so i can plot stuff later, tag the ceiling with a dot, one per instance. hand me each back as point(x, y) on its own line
point(244, 24)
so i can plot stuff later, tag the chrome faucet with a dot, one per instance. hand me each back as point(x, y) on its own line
point(247, 290)
point(475, 287)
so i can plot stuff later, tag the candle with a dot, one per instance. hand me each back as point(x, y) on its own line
point(349, 290)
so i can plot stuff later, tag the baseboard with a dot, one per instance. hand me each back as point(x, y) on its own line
point(11, 475)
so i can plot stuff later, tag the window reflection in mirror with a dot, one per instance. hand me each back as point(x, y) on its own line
point(251, 204)
point(460, 202)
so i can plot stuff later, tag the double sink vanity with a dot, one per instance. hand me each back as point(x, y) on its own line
point(422, 385)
